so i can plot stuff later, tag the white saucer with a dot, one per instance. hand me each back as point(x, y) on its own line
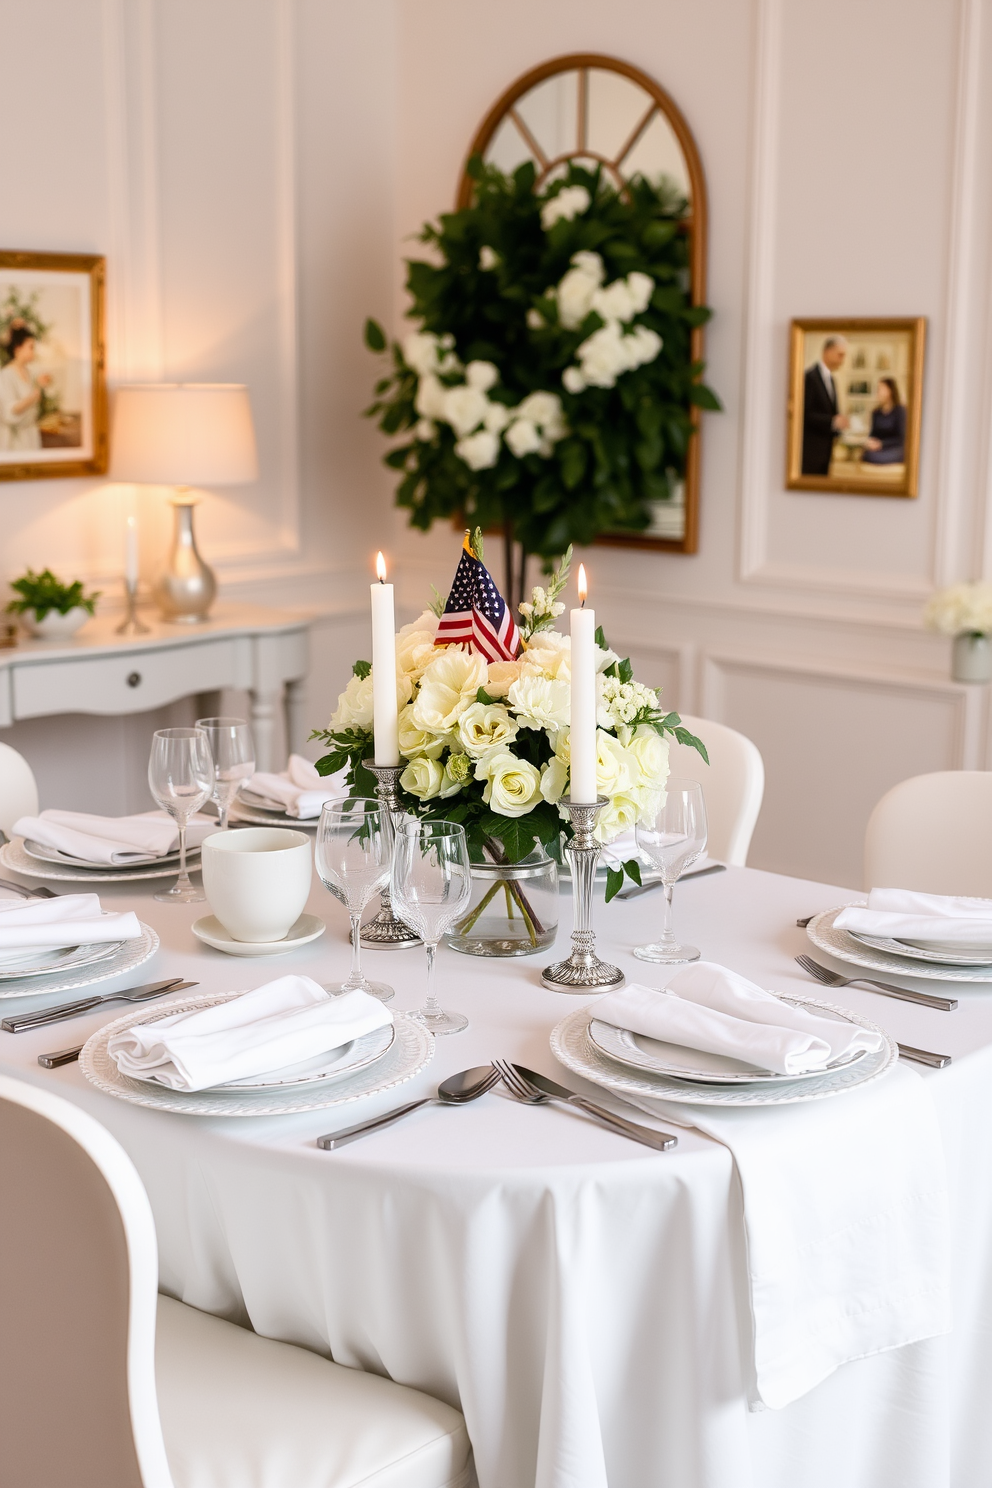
point(210, 930)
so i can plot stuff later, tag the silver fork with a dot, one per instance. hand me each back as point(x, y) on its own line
point(523, 1090)
point(834, 979)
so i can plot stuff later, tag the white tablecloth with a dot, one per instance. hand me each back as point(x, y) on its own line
point(581, 1298)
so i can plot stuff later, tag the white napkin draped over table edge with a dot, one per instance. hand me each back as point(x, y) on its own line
point(118, 841)
point(70, 919)
point(279, 1024)
point(845, 1213)
point(906, 914)
point(298, 789)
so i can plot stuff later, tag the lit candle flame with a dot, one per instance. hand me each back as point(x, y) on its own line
point(583, 585)
point(380, 568)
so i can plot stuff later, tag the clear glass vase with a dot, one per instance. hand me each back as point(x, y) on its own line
point(513, 909)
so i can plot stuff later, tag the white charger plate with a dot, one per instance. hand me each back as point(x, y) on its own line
point(131, 954)
point(59, 958)
point(254, 813)
point(573, 1047)
point(14, 856)
point(411, 1051)
point(56, 855)
point(681, 1063)
point(903, 961)
point(210, 930)
point(942, 952)
point(333, 1065)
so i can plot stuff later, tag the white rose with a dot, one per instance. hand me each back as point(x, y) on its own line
point(479, 451)
point(425, 429)
point(484, 726)
point(535, 320)
point(414, 651)
point(502, 675)
point(554, 778)
point(488, 258)
point(603, 357)
point(649, 752)
point(641, 288)
point(420, 351)
point(540, 703)
point(620, 815)
point(573, 380)
point(429, 401)
point(612, 766)
point(464, 409)
point(415, 741)
point(481, 375)
point(604, 658)
point(647, 344)
point(354, 709)
point(569, 202)
point(590, 263)
point(543, 409)
point(513, 785)
point(574, 295)
point(449, 684)
point(496, 417)
point(615, 302)
point(523, 438)
point(423, 778)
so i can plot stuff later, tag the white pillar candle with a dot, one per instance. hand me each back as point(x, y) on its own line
point(387, 749)
point(131, 553)
point(582, 733)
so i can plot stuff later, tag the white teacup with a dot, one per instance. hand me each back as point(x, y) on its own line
point(257, 880)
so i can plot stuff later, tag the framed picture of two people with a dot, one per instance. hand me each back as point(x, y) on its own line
point(855, 394)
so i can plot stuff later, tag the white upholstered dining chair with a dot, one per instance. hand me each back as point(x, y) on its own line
point(105, 1384)
point(18, 791)
point(933, 833)
point(733, 785)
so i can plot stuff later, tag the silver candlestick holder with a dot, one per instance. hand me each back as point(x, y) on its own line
point(583, 971)
point(131, 625)
point(385, 932)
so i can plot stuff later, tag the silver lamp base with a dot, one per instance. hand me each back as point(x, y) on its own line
point(385, 932)
point(583, 971)
point(188, 587)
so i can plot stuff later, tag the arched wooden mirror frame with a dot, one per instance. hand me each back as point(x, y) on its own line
point(694, 224)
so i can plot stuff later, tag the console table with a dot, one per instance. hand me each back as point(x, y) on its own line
point(240, 646)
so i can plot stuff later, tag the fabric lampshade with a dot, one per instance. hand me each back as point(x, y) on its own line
point(184, 434)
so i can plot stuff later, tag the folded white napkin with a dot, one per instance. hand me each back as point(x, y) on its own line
point(298, 790)
point(845, 1215)
point(905, 914)
point(624, 847)
point(71, 919)
point(115, 840)
point(708, 1007)
point(279, 1024)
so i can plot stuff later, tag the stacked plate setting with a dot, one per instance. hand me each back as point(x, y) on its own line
point(29, 973)
point(933, 960)
point(259, 812)
point(36, 861)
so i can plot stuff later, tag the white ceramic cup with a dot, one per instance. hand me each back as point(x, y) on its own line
point(257, 880)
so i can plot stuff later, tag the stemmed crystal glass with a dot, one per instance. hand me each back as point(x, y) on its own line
point(672, 841)
point(430, 889)
point(352, 857)
point(181, 776)
point(233, 750)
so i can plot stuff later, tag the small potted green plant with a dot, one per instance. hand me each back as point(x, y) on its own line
point(48, 608)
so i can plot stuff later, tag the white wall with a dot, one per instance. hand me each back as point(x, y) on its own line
point(253, 170)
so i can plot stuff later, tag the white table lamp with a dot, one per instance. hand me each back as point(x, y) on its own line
point(184, 434)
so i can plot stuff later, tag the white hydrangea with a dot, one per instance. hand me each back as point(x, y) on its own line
point(569, 203)
point(961, 609)
point(620, 702)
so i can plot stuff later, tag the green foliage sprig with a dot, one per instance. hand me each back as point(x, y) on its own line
point(42, 592)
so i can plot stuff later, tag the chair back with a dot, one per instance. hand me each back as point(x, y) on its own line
point(18, 790)
point(733, 785)
point(78, 1291)
point(933, 833)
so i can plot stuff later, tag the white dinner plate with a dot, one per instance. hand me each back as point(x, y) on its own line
point(260, 816)
point(894, 956)
point(330, 1066)
point(681, 1063)
point(942, 953)
point(56, 855)
point(210, 930)
point(14, 856)
point(573, 1047)
point(57, 958)
point(121, 958)
point(411, 1051)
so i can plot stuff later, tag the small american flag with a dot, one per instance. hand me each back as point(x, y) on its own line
point(477, 613)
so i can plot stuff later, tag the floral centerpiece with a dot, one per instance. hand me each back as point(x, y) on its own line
point(486, 744)
point(550, 387)
point(964, 611)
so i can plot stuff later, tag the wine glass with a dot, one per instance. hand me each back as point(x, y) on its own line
point(352, 857)
point(181, 775)
point(233, 750)
point(676, 838)
point(430, 889)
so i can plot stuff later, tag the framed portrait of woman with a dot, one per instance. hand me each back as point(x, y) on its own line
point(855, 401)
point(53, 399)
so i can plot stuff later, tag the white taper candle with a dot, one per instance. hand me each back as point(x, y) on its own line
point(582, 733)
point(131, 553)
point(387, 749)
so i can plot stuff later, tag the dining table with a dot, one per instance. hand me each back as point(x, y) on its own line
point(581, 1298)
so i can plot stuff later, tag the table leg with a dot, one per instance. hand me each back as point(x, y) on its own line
point(263, 725)
point(295, 702)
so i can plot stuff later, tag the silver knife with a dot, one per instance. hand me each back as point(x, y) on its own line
point(923, 1056)
point(25, 1021)
point(661, 1141)
point(657, 883)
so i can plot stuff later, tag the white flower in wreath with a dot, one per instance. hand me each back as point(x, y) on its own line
point(425, 430)
point(429, 401)
point(538, 702)
point(464, 408)
point(448, 686)
point(421, 351)
point(479, 451)
point(488, 259)
point(485, 726)
point(482, 375)
point(573, 381)
point(575, 292)
point(513, 786)
point(496, 417)
point(570, 202)
point(523, 438)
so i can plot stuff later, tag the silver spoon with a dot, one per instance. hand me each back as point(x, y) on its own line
point(456, 1090)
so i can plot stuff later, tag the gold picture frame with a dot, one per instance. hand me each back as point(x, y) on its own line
point(53, 394)
point(855, 403)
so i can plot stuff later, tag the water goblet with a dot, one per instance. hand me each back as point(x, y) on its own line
point(352, 855)
point(180, 775)
point(430, 889)
point(672, 841)
point(233, 751)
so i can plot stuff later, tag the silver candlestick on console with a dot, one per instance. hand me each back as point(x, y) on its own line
point(131, 625)
point(583, 971)
point(386, 932)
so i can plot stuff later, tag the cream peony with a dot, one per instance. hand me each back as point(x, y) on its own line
point(485, 726)
point(513, 786)
point(448, 685)
point(463, 408)
point(415, 645)
point(479, 451)
point(502, 675)
point(538, 702)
